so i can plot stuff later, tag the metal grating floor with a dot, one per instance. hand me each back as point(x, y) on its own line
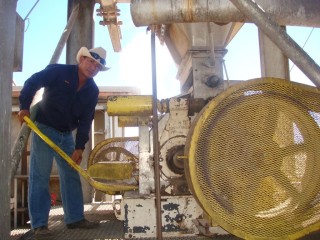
point(110, 227)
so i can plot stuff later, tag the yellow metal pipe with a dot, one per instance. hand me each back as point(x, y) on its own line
point(132, 105)
point(133, 121)
point(128, 121)
point(108, 188)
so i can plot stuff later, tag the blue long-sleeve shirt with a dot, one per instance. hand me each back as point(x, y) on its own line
point(62, 107)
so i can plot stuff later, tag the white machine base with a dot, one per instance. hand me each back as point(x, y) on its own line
point(139, 216)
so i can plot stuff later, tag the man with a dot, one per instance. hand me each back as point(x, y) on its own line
point(68, 103)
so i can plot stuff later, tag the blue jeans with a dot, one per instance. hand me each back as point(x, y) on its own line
point(41, 158)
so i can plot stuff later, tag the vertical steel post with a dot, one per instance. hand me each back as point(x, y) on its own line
point(64, 36)
point(82, 33)
point(288, 46)
point(7, 42)
point(156, 150)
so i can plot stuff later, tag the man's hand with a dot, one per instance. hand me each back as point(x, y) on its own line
point(21, 115)
point(77, 156)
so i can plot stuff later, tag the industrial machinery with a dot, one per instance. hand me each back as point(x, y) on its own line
point(246, 161)
point(178, 205)
point(235, 157)
point(238, 157)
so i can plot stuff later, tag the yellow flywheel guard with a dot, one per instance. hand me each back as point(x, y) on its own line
point(254, 159)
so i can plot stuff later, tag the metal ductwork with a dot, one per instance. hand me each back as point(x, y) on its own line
point(148, 12)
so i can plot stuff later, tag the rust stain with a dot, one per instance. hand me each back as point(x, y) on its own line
point(154, 11)
point(112, 98)
point(189, 9)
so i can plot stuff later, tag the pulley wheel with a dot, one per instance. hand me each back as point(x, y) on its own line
point(254, 159)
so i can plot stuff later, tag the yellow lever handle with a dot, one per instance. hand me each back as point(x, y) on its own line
point(109, 188)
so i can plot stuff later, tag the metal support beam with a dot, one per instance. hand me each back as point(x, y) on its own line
point(149, 12)
point(156, 144)
point(83, 29)
point(81, 35)
point(7, 30)
point(288, 46)
point(64, 37)
point(272, 60)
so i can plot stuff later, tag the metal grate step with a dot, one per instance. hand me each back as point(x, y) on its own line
point(110, 227)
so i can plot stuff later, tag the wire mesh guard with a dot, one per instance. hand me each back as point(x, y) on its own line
point(115, 161)
point(115, 149)
point(254, 159)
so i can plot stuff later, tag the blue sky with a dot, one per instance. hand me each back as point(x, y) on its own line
point(132, 66)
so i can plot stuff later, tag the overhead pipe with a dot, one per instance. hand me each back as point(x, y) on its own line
point(288, 46)
point(284, 12)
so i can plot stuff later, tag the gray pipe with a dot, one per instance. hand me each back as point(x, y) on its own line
point(285, 12)
point(288, 46)
point(155, 131)
point(21, 143)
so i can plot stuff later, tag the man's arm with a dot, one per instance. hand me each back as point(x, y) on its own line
point(31, 86)
point(84, 126)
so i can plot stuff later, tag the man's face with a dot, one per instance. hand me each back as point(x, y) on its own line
point(89, 67)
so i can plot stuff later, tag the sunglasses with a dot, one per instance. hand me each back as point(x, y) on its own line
point(97, 57)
